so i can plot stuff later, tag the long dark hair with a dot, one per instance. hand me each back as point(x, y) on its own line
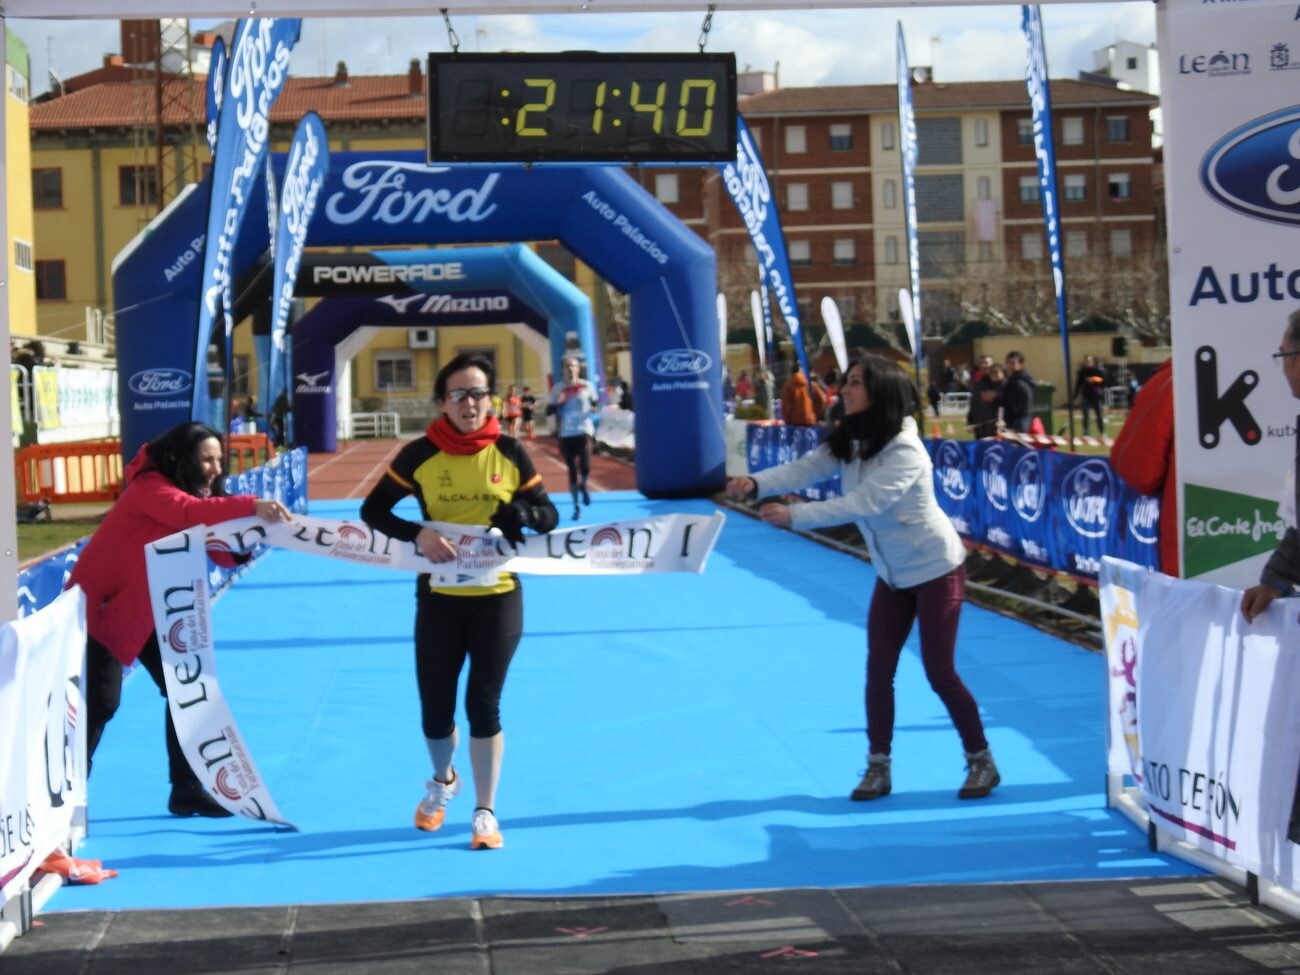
point(893, 396)
point(175, 455)
point(466, 360)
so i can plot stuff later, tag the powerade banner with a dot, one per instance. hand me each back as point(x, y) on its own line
point(1040, 104)
point(216, 87)
point(1230, 93)
point(1210, 716)
point(304, 175)
point(1052, 511)
point(907, 145)
point(259, 65)
point(746, 181)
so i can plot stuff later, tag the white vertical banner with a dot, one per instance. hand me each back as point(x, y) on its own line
point(1217, 724)
point(1230, 77)
point(178, 584)
point(835, 332)
point(42, 736)
point(1118, 595)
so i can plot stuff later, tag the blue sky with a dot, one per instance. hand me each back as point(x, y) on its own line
point(807, 47)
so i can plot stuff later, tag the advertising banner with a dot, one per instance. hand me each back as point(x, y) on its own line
point(1040, 104)
point(216, 88)
point(178, 567)
point(1218, 729)
point(1231, 106)
point(43, 728)
point(908, 151)
point(304, 175)
point(259, 65)
point(1052, 511)
point(746, 183)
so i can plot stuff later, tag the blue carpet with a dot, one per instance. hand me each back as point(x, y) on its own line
point(664, 733)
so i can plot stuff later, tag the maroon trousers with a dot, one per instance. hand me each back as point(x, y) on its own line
point(935, 606)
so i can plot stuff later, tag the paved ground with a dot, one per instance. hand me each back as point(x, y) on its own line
point(1143, 927)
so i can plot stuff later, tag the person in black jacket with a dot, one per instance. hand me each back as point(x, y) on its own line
point(1090, 390)
point(1017, 394)
point(985, 400)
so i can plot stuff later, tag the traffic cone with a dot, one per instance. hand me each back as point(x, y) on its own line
point(936, 432)
point(1036, 427)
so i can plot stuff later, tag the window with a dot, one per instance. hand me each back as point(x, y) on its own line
point(1121, 243)
point(796, 196)
point(137, 186)
point(891, 250)
point(1031, 247)
point(22, 254)
point(887, 135)
point(841, 137)
point(1076, 243)
point(842, 195)
point(47, 189)
point(241, 380)
point(1072, 130)
point(1076, 187)
point(981, 131)
point(1131, 64)
point(844, 251)
point(889, 194)
point(1025, 131)
point(1029, 189)
point(984, 250)
point(983, 188)
point(800, 253)
point(17, 84)
point(1117, 128)
point(666, 190)
point(1119, 186)
point(940, 197)
point(51, 281)
point(394, 369)
point(938, 141)
point(796, 138)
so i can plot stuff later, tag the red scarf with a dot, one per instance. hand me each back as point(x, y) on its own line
point(446, 437)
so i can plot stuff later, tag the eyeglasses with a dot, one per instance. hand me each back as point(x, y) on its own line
point(1280, 357)
point(474, 393)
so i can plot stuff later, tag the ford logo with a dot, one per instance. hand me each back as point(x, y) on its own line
point(1255, 169)
point(1028, 487)
point(159, 382)
point(679, 362)
point(1089, 492)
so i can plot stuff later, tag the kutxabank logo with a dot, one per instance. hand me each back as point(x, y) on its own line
point(679, 362)
point(953, 471)
point(1255, 168)
point(1089, 499)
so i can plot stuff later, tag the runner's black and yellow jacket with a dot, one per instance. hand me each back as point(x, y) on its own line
point(483, 479)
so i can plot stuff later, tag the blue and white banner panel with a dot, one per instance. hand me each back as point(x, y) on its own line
point(908, 151)
point(1052, 511)
point(1218, 732)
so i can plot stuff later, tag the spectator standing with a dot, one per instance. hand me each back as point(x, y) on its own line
point(1090, 390)
point(802, 403)
point(985, 401)
point(919, 559)
point(1143, 456)
point(1017, 394)
point(744, 388)
point(463, 471)
point(173, 483)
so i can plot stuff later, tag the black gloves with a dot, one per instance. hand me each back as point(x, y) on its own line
point(511, 519)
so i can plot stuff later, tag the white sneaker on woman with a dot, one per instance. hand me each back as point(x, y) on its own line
point(432, 809)
point(486, 831)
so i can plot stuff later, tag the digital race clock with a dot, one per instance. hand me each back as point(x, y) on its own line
point(582, 107)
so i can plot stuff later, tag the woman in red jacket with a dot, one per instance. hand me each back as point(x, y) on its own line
point(173, 483)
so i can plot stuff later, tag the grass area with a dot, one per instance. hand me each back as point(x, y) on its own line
point(954, 427)
point(45, 537)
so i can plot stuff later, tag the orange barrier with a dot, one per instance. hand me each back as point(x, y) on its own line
point(248, 450)
point(84, 471)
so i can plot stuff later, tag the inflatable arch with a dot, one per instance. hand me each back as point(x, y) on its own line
point(498, 285)
point(600, 213)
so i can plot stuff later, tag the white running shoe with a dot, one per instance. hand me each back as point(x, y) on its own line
point(486, 831)
point(432, 809)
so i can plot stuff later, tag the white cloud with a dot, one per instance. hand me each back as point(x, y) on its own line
point(811, 47)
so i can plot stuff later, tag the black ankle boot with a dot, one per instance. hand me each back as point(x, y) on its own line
point(981, 776)
point(191, 800)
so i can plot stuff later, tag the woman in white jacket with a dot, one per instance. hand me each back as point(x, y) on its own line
point(888, 492)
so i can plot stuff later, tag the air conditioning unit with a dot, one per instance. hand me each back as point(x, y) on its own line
point(422, 338)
